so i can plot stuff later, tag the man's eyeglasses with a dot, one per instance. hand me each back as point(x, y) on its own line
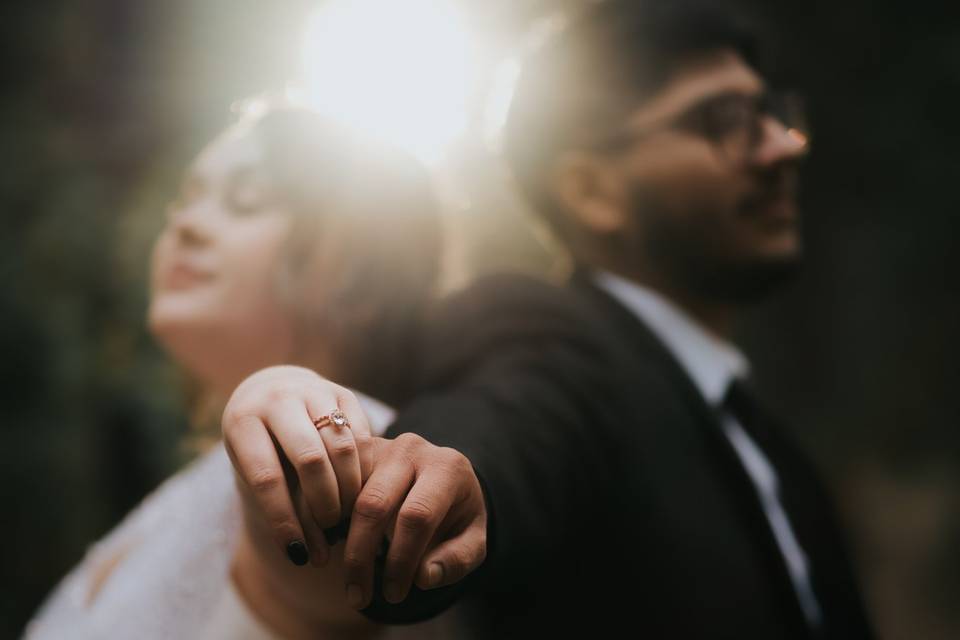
point(733, 123)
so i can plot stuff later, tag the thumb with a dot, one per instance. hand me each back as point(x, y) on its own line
point(453, 560)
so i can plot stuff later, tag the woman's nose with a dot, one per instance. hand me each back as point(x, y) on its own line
point(191, 225)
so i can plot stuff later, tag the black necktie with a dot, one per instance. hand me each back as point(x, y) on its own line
point(741, 403)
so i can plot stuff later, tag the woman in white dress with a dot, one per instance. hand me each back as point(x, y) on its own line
point(291, 241)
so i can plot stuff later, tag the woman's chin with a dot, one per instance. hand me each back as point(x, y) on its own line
point(184, 336)
point(173, 315)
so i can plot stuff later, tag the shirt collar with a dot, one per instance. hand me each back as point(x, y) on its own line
point(711, 362)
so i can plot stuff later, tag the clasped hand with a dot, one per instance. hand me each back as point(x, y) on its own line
point(298, 481)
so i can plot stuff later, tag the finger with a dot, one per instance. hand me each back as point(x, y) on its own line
point(342, 451)
point(350, 405)
point(317, 546)
point(453, 559)
point(424, 508)
point(290, 424)
point(379, 499)
point(344, 458)
point(258, 466)
point(362, 433)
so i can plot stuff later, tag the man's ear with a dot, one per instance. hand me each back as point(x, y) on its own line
point(590, 190)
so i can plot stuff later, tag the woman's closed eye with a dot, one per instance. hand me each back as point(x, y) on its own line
point(246, 192)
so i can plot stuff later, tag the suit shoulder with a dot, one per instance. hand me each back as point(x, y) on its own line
point(512, 300)
point(506, 315)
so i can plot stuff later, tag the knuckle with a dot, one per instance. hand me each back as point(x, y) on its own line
point(456, 461)
point(416, 515)
point(342, 448)
point(311, 460)
point(353, 563)
point(372, 505)
point(263, 481)
point(237, 419)
point(278, 395)
point(362, 439)
point(409, 440)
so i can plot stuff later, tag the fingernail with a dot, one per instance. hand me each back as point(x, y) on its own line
point(354, 596)
point(434, 574)
point(391, 591)
point(297, 552)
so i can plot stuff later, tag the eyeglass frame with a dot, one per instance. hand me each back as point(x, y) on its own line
point(784, 105)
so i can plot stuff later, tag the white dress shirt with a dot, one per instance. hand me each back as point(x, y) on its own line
point(713, 364)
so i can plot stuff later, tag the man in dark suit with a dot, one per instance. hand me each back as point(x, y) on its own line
point(632, 480)
point(632, 484)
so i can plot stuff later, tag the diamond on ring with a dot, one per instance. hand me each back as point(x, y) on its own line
point(335, 418)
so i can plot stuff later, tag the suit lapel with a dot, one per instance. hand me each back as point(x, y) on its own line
point(643, 344)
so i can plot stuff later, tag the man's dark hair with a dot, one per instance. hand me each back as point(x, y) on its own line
point(609, 60)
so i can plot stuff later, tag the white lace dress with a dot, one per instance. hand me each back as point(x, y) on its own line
point(168, 565)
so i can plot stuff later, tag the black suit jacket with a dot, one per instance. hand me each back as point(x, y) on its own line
point(615, 500)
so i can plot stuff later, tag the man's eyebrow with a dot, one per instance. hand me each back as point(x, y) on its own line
point(730, 92)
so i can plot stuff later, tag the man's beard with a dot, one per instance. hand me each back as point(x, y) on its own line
point(745, 282)
point(686, 255)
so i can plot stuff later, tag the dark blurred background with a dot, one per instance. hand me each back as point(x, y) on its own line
point(105, 101)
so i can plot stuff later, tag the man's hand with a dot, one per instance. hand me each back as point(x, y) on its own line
point(428, 502)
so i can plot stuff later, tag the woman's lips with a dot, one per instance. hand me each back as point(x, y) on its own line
point(183, 276)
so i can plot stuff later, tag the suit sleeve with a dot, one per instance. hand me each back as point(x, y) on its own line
point(525, 415)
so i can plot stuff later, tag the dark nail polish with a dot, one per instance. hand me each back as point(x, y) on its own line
point(297, 552)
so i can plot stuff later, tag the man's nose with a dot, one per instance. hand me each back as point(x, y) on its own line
point(780, 143)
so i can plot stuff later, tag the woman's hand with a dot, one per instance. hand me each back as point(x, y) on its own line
point(301, 475)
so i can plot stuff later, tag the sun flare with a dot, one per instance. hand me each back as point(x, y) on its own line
point(401, 71)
